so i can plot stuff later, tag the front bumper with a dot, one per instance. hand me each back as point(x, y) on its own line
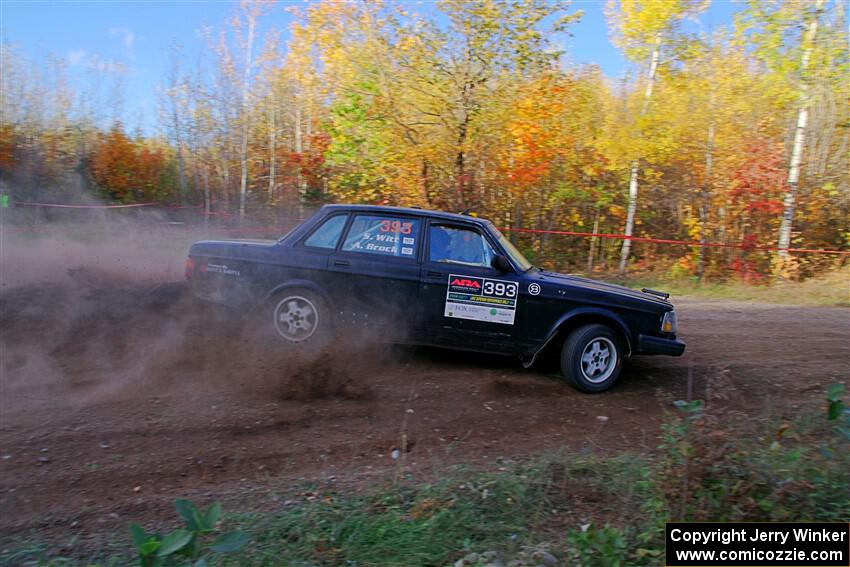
point(648, 344)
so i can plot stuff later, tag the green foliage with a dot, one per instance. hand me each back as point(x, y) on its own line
point(837, 411)
point(188, 545)
point(602, 547)
point(710, 469)
point(359, 145)
point(464, 514)
point(721, 469)
point(406, 527)
point(712, 466)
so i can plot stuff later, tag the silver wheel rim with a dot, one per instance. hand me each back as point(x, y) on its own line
point(598, 360)
point(296, 318)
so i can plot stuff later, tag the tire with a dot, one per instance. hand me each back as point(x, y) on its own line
point(298, 318)
point(592, 358)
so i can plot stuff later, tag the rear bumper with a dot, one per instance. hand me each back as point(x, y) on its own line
point(648, 344)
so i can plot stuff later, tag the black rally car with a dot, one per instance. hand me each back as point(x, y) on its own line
point(431, 278)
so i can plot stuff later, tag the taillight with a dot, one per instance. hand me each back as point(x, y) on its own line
point(190, 268)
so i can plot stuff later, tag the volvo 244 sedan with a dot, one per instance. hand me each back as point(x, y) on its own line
point(406, 275)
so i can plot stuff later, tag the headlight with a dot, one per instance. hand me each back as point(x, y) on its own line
point(668, 323)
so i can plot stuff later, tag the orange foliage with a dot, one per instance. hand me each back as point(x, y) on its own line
point(125, 169)
point(535, 133)
point(7, 148)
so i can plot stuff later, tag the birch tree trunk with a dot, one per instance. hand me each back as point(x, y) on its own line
point(174, 88)
point(243, 150)
point(272, 149)
point(706, 192)
point(635, 169)
point(224, 166)
point(181, 167)
point(592, 253)
point(307, 147)
point(207, 200)
point(799, 139)
point(299, 149)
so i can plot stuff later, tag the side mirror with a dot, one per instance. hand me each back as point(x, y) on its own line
point(501, 263)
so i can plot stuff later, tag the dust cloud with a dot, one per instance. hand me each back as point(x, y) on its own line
point(94, 308)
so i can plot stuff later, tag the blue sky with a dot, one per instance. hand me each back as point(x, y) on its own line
point(134, 38)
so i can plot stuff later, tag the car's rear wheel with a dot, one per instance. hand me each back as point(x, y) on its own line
point(592, 358)
point(299, 317)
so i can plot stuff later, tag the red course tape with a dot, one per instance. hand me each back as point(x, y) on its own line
point(57, 206)
point(676, 242)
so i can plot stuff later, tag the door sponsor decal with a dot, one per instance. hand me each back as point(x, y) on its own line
point(481, 299)
point(220, 269)
point(534, 289)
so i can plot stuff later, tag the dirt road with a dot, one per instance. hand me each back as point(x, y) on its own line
point(119, 397)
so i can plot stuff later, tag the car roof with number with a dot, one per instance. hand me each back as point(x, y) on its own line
point(406, 211)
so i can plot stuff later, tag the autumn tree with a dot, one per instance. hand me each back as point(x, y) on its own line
point(484, 44)
point(642, 29)
point(802, 46)
point(128, 170)
point(176, 109)
point(238, 64)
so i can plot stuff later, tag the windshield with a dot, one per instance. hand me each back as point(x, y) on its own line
point(515, 255)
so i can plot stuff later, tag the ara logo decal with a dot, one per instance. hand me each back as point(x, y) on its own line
point(481, 299)
point(466, 283)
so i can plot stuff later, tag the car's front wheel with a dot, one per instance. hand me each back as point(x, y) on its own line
point(592, 358)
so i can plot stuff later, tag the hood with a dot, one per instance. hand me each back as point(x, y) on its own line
point(603, 287)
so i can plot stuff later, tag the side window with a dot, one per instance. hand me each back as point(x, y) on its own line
point(386, 236)
point(327, 235)
point(453, 245)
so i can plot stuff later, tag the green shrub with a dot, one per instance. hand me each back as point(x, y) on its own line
point(721, 469)
point(602, 547)
point(188, 545)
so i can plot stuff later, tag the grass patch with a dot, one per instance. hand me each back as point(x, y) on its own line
point(466, 513)
point(828, 290)
point(115, 551)
point(719, 468)
point(559, 509)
